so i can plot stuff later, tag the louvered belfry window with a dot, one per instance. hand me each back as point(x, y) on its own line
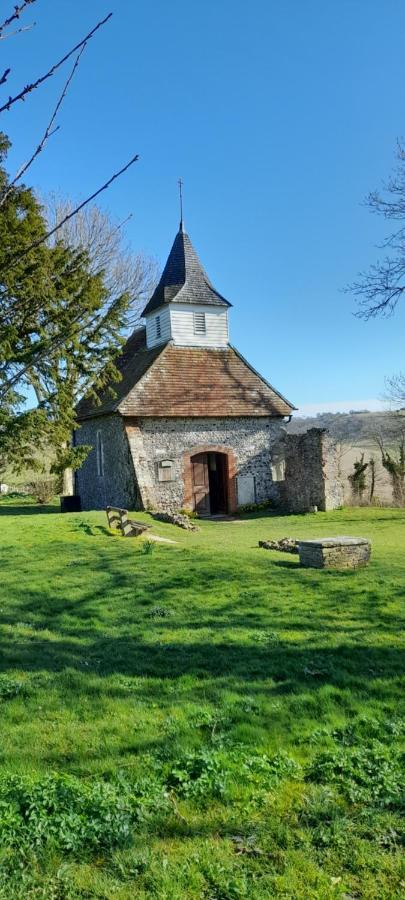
point(199, 323)
point(158, 327)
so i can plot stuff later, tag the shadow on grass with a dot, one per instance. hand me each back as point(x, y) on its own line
point(98, 625)
point(27, 510)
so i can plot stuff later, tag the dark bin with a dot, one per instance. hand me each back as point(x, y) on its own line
point(70, 504)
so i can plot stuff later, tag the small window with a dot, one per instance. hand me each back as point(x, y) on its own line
point(165, 470)
point(278, 468)
point(199, 323)
point(158, 327)
point(100, 455)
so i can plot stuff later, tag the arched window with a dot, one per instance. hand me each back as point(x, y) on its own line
point(100, 455)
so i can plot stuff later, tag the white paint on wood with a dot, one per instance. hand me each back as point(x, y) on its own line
point(183, 329)
point(152, 340)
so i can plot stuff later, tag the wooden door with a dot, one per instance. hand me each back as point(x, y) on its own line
point(201, 487)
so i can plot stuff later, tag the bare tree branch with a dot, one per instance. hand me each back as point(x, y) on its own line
point(3, 37)
point(378, 290)
point(16, 14)
point(35, 84)
point(13, 260)
point(104, 241)
point(48, 131)
point(395, 389)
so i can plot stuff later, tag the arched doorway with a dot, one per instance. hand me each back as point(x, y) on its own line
point(209, 472)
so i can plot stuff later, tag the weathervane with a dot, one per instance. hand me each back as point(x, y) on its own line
point(180, 184)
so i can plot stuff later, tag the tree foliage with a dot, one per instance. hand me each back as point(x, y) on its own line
point(60, 329)
point(358, 477)
point(393, 462)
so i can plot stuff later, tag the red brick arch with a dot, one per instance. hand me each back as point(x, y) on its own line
point(231, 473)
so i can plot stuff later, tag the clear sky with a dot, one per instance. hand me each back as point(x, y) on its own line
point(279, 117)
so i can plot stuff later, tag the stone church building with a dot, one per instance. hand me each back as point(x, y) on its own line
point(191, 423)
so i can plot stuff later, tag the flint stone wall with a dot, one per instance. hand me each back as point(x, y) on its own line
point(117, 486)
point(132, 449)
point(152, 439)
point(312, 472)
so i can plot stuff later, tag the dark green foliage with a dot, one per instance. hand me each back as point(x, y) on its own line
point(198, 774)
point(395, 466)
point(368, 774)
point(372, 468)
point(60, 332)
point(73, 815)
point(358, 478)
point(10, 687)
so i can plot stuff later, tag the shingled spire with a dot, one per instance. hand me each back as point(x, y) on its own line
point(183, 279)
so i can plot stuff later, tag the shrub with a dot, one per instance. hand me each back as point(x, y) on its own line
point(191, 513)
point(254, 507)
point(43, 490)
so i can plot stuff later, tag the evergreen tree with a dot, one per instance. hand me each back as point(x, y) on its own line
point(59, 331)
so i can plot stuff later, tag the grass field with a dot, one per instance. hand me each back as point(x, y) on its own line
point(198, 720)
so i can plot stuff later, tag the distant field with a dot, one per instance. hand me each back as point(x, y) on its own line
point(350, 454)
point(198, 720)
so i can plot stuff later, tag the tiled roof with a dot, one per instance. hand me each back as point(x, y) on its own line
point(191, 382)
point(134, 361)
point(183, 279)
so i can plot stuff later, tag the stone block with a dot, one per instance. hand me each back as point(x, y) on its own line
point(340, 552)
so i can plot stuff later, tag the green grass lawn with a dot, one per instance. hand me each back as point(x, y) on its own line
point(198, 720)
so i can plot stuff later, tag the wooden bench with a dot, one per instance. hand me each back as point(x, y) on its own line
point(118, 519)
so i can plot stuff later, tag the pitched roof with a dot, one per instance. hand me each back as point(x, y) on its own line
point(133, 362)
point(187, 381)
point(183, 279)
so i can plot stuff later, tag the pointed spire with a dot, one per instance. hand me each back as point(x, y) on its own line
point(180, 184)
point(183, 279)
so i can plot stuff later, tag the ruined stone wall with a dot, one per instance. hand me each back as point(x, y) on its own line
point(154, 439)
point(312, 476)
point(117, 485)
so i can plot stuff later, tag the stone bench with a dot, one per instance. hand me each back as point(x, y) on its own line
point(340, 552)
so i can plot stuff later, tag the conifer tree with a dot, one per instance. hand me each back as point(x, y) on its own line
point(59, 331)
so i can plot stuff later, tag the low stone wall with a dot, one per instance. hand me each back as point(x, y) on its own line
point(335, 553)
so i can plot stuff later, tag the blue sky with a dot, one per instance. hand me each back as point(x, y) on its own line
point(279, 117)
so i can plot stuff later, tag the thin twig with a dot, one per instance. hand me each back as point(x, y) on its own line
point(13, 260)
point(48, 131)
point(3, 37)
point(35, 84)
point(16, 14)
point(4, 76)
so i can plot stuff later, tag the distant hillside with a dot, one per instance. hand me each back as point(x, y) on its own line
point(356, 428)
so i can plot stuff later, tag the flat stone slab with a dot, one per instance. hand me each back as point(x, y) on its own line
point(341, 552)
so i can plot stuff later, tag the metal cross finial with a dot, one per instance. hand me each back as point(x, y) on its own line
point(180, 184)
